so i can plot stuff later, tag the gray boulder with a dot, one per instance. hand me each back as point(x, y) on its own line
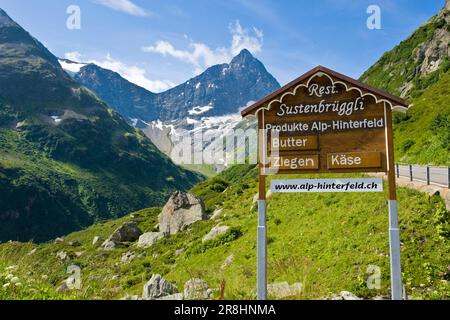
point(74, 244)
point(96, 241)
point(228, 261)
point(176, 296)
point(349, 296)
point(109, 245)
point(197, 289)
point(128, 256)
point(158, 287)
point(148, 239)
point(128, 232)
point(282, 290)
point(216, 214)
point(63, 256)
point(215, 232)
point(63, 287)
point(182, 210)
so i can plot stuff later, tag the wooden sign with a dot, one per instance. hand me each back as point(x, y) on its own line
point(300, 162)
point(324, 122)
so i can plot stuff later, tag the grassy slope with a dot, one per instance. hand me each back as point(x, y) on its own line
point(423, 134)
point(67, 195)
point(325, 241)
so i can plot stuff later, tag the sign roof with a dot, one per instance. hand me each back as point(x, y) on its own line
point(395, 102)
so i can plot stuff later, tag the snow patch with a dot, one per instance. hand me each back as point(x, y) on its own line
point(200, 110)
point(191, 121)
point(134, 121)
point(74, 67)
point(158, 124)
point(57, 119)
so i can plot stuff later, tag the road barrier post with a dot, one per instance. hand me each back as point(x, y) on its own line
point(428, 175)
point(398, 170)
point(410, 173)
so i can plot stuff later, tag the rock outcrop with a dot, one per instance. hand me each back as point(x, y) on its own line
point(282, 290)
point(228, 261)
point(216, 232)
point(148, 239)
point(128, 232)
point(97, 240)
point(128, 256)
point(197, 289)
point(158, 287)
point(182, 210)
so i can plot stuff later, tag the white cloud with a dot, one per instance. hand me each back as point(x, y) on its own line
point(243, 40)
point(202, 56)
point(133, 74)
point(74, 56)
point(126, 6)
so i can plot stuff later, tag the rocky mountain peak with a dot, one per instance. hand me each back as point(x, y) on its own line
point(220, 90)
point(243, 57)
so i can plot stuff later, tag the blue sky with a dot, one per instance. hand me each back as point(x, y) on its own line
point(160, 43)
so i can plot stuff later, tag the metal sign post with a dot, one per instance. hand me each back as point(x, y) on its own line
point(262, 251)
point(262, 232)
point(394, 232)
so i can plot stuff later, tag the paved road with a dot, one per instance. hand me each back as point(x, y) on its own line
point(438, 175)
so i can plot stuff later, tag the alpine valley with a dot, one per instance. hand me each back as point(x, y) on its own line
point(67, 159)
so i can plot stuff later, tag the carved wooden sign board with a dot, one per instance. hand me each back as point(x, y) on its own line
point(324, 122)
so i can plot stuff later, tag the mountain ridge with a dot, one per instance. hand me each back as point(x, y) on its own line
point(219, 90)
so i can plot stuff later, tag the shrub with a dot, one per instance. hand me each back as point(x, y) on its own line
point(231, 235)
point(407, 145)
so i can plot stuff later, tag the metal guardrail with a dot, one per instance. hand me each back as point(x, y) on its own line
point(429, 174)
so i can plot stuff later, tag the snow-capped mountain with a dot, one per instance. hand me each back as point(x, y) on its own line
point(220, 90)
point(209, 102)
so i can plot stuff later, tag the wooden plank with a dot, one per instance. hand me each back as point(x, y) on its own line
point(391, 161)
point(288, 87)
point(353, 160)
point(297, 162)
point(293, 143)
